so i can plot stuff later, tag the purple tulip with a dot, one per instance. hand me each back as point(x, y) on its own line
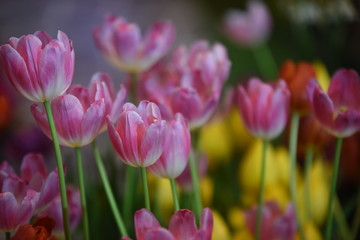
point(275, 224)
point(248, 28)
point(176, 149)
point(137, 136)
point(264, 107)
point(122, 44)
point(182, 226)
point(39, 67)
point(339, 110)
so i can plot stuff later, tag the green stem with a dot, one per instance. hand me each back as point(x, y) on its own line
point(341, 220)
point(7, 235)
point(146, 189)
point(261, 192)
point(59, 164)
point(129, 189)
point(265, 61)
point(108, 191)
point(82, 193)
point(308, 163)
point(196, 186)
point(175, 195)
point(333, 189)
point(295, 118)
point(356, 222)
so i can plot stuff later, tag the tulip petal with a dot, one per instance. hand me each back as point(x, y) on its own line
point(158, 234)
point(9, 212)
point(118, 104)
point(31, 164)
point(206, 223)
point(94, 119)
point(182, 224)
point(116, 141)
point(126, 41)
point(40, 117)
point(323, 107)
point(49, 190)
point(151, 145)
point(144, 220)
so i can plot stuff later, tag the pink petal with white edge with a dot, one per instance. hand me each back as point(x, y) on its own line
point(31, 164)
point(206, 223)
point(116, 141)
point(323, 107)
point(152, 143)
point(149, 112)
point(346, 124)
point(94, 119)
point(16, 71)
point(54, 65)
point(187, 102)
point(246, 109)
point(118, 104)
point(44, 37)
point(48, 191)
point(144, 220)
point(9, 209)
point(68, 114)
point(127, 39)
point(40, 117)
point(182, 224)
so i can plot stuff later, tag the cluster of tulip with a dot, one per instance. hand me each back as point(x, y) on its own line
point(159, 121)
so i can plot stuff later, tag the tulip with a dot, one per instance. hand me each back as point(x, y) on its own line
point(297, 77)
point(138, 135)
point(339, 110)
point(182, 226)
point(264, 108)
point(24, 195)
point(77, 122)
point(176, 150)
point(40, 230)
point(190, 84)
point(248, 28)
point(55, 212)
point(39, 67)
point(276, 224)
point(122, 45)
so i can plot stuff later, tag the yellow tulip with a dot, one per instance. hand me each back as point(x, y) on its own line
point(220, 230)
point(207, 190)
point(279, 194)
point(322, 75)
point(237, 131)
point(311, 232)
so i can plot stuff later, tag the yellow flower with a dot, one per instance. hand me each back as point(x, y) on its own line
point(311, 232)
point(215, 141)
point(282, 159)
point(220, 230)
point(322, 75)
point(279, 194)
point(237, 131)
point(207, 190)
point(249, 170)
point(237, 219)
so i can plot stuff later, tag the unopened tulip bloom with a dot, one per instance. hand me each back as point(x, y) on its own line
point(39, 67)
point(264, 107)
point(190, 84)
point(339, 110)
point(137, 136)
point(182, 226)
point(122, 44)
point(248, 28)
point(39, 230)
point(54, 211)
point(77, 120)
point(176, 150)
point(276, 224)
point(297, 77)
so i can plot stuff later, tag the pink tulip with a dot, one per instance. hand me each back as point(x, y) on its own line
point(39, 67)
point(182, 226)
point(275, 224)
point(190, 84)
point(339, 110)
point(137, 136)
point(78, 119)
point(264, 107)
point(122, 44)
point(248, 28)
point(55, 211)
point(24, 195)
point(176, 150)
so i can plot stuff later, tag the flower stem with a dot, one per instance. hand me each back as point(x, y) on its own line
point(108, 191)
point(82, 193)
point(333, 189)
point(7, 235)
point(175, 195)
point(129, 189)
point(146, 189)
point(356, 221)
point(341, 220)
point(295, 118)
point(265, 61)
point(59, 164)
point(261, 192)
point(308, 163)
point(196, 186)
